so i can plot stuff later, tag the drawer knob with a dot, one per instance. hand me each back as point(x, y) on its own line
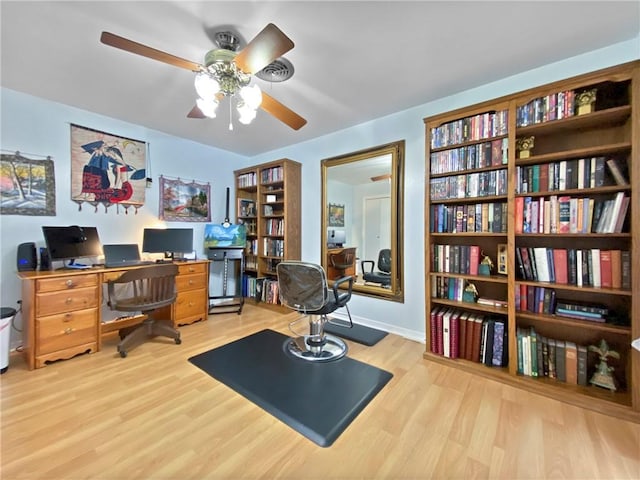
point(190, 282)
point(68, 331)
point(69, 283)
point(67, 317)
point(191, 304)
point(69, 300)
point(191, 269)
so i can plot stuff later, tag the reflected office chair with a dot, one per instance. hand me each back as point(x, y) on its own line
point(342, 260)
point(144, 290)
point(383, 274)
point(303, 287)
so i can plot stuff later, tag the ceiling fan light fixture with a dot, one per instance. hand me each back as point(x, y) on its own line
point(207, 107)
point(247, 114)
point(206, 86)
point(251, 96)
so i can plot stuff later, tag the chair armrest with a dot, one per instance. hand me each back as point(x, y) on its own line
point(342, 298)
point(371, 264)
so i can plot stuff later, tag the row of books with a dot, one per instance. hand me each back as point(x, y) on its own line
point(469, 129)
point(247, 180)
point(539, 356)
point(570, 174)
point(534, 299)
point(270, 175)
point(463, 259)
point(474, 217)
point(261, 289)
point(543, 109)
point(450, 288)
point(273, 248)
point(469, 157)
point(456, 333)
point(582, 311)
point(570, 266)
point(566, 214)
point(470, 185)
point(274, 227)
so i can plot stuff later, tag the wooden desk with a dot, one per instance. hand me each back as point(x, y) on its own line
point(332, 273)
point(62, 309)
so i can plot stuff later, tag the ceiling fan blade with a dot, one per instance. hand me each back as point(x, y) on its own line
point(195, 113)
point(268, 45)
point(282, 113)
point(139, 49)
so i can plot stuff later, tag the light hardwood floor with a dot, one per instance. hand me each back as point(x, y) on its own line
point(154, 415)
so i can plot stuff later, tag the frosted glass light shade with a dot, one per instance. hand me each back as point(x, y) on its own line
point(206, 86)
point(247, 114)
point(251, 96)
point(207, 107)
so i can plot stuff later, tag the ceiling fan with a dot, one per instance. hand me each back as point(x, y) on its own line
point(226, 72)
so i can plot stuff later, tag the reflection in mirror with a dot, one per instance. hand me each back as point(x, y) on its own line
point(362, 219)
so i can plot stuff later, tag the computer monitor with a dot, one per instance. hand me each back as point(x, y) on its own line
point(71, 243)
point(336, 238)
point(173, 242)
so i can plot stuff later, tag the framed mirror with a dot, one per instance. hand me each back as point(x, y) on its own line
point(362, 218)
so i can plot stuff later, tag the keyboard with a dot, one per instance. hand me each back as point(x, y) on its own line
point(129, 263)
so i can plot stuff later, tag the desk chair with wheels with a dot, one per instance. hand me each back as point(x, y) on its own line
point(383, 274)
point(303, 287)
point(144, 290)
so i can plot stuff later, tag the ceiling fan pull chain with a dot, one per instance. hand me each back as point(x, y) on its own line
point(230, 116)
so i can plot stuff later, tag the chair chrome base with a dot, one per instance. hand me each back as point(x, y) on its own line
point(333, 348)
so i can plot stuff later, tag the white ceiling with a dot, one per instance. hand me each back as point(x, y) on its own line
point(354, 61)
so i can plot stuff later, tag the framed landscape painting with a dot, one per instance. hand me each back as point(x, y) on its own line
point(28, 186)
point(182, 201)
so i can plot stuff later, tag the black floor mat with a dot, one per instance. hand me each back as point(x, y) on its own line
point(319, 400)
point(359, 333)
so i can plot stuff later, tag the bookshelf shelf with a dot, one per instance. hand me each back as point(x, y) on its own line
point(606, 283)
point(273, 190)
point(608, 149)
point(575, 323)
point(470, 306)
point(475, 278)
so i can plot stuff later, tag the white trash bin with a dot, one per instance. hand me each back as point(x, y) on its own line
point(6, 315)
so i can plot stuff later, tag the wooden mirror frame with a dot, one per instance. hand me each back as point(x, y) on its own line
point(396, 150)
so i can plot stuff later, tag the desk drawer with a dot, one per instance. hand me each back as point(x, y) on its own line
point(190, 268)
point(57, 332)
point(66, 283)
point(189, 304)
point(67, 301)
point(190, 282)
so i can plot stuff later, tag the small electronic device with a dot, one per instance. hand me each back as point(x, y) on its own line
point(27, 258)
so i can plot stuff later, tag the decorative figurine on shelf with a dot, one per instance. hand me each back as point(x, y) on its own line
point(470, 294)
point(486, 265)
point(524, 146)
point(602, 376)
point(585, 101)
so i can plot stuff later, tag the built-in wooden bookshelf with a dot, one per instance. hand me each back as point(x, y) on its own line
point(550, 176)
point(268, 203)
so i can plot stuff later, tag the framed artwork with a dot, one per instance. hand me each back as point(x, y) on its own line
point(27, 186)
point(107, 169)
point(221, 236)
point(182, 201)
point(336, 215)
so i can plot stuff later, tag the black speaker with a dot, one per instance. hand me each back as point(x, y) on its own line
point(45, 261)
point(27, 258)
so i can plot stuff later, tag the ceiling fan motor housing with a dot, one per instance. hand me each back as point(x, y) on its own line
point(219, 63)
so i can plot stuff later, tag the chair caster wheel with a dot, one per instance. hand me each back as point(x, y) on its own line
point(123, 353)
point(178, 341)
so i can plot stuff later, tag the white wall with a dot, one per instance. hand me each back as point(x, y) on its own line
point(32, 125)
point(35, 126)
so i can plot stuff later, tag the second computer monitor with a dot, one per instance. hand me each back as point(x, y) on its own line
point(173, 242)
point(336, 237)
